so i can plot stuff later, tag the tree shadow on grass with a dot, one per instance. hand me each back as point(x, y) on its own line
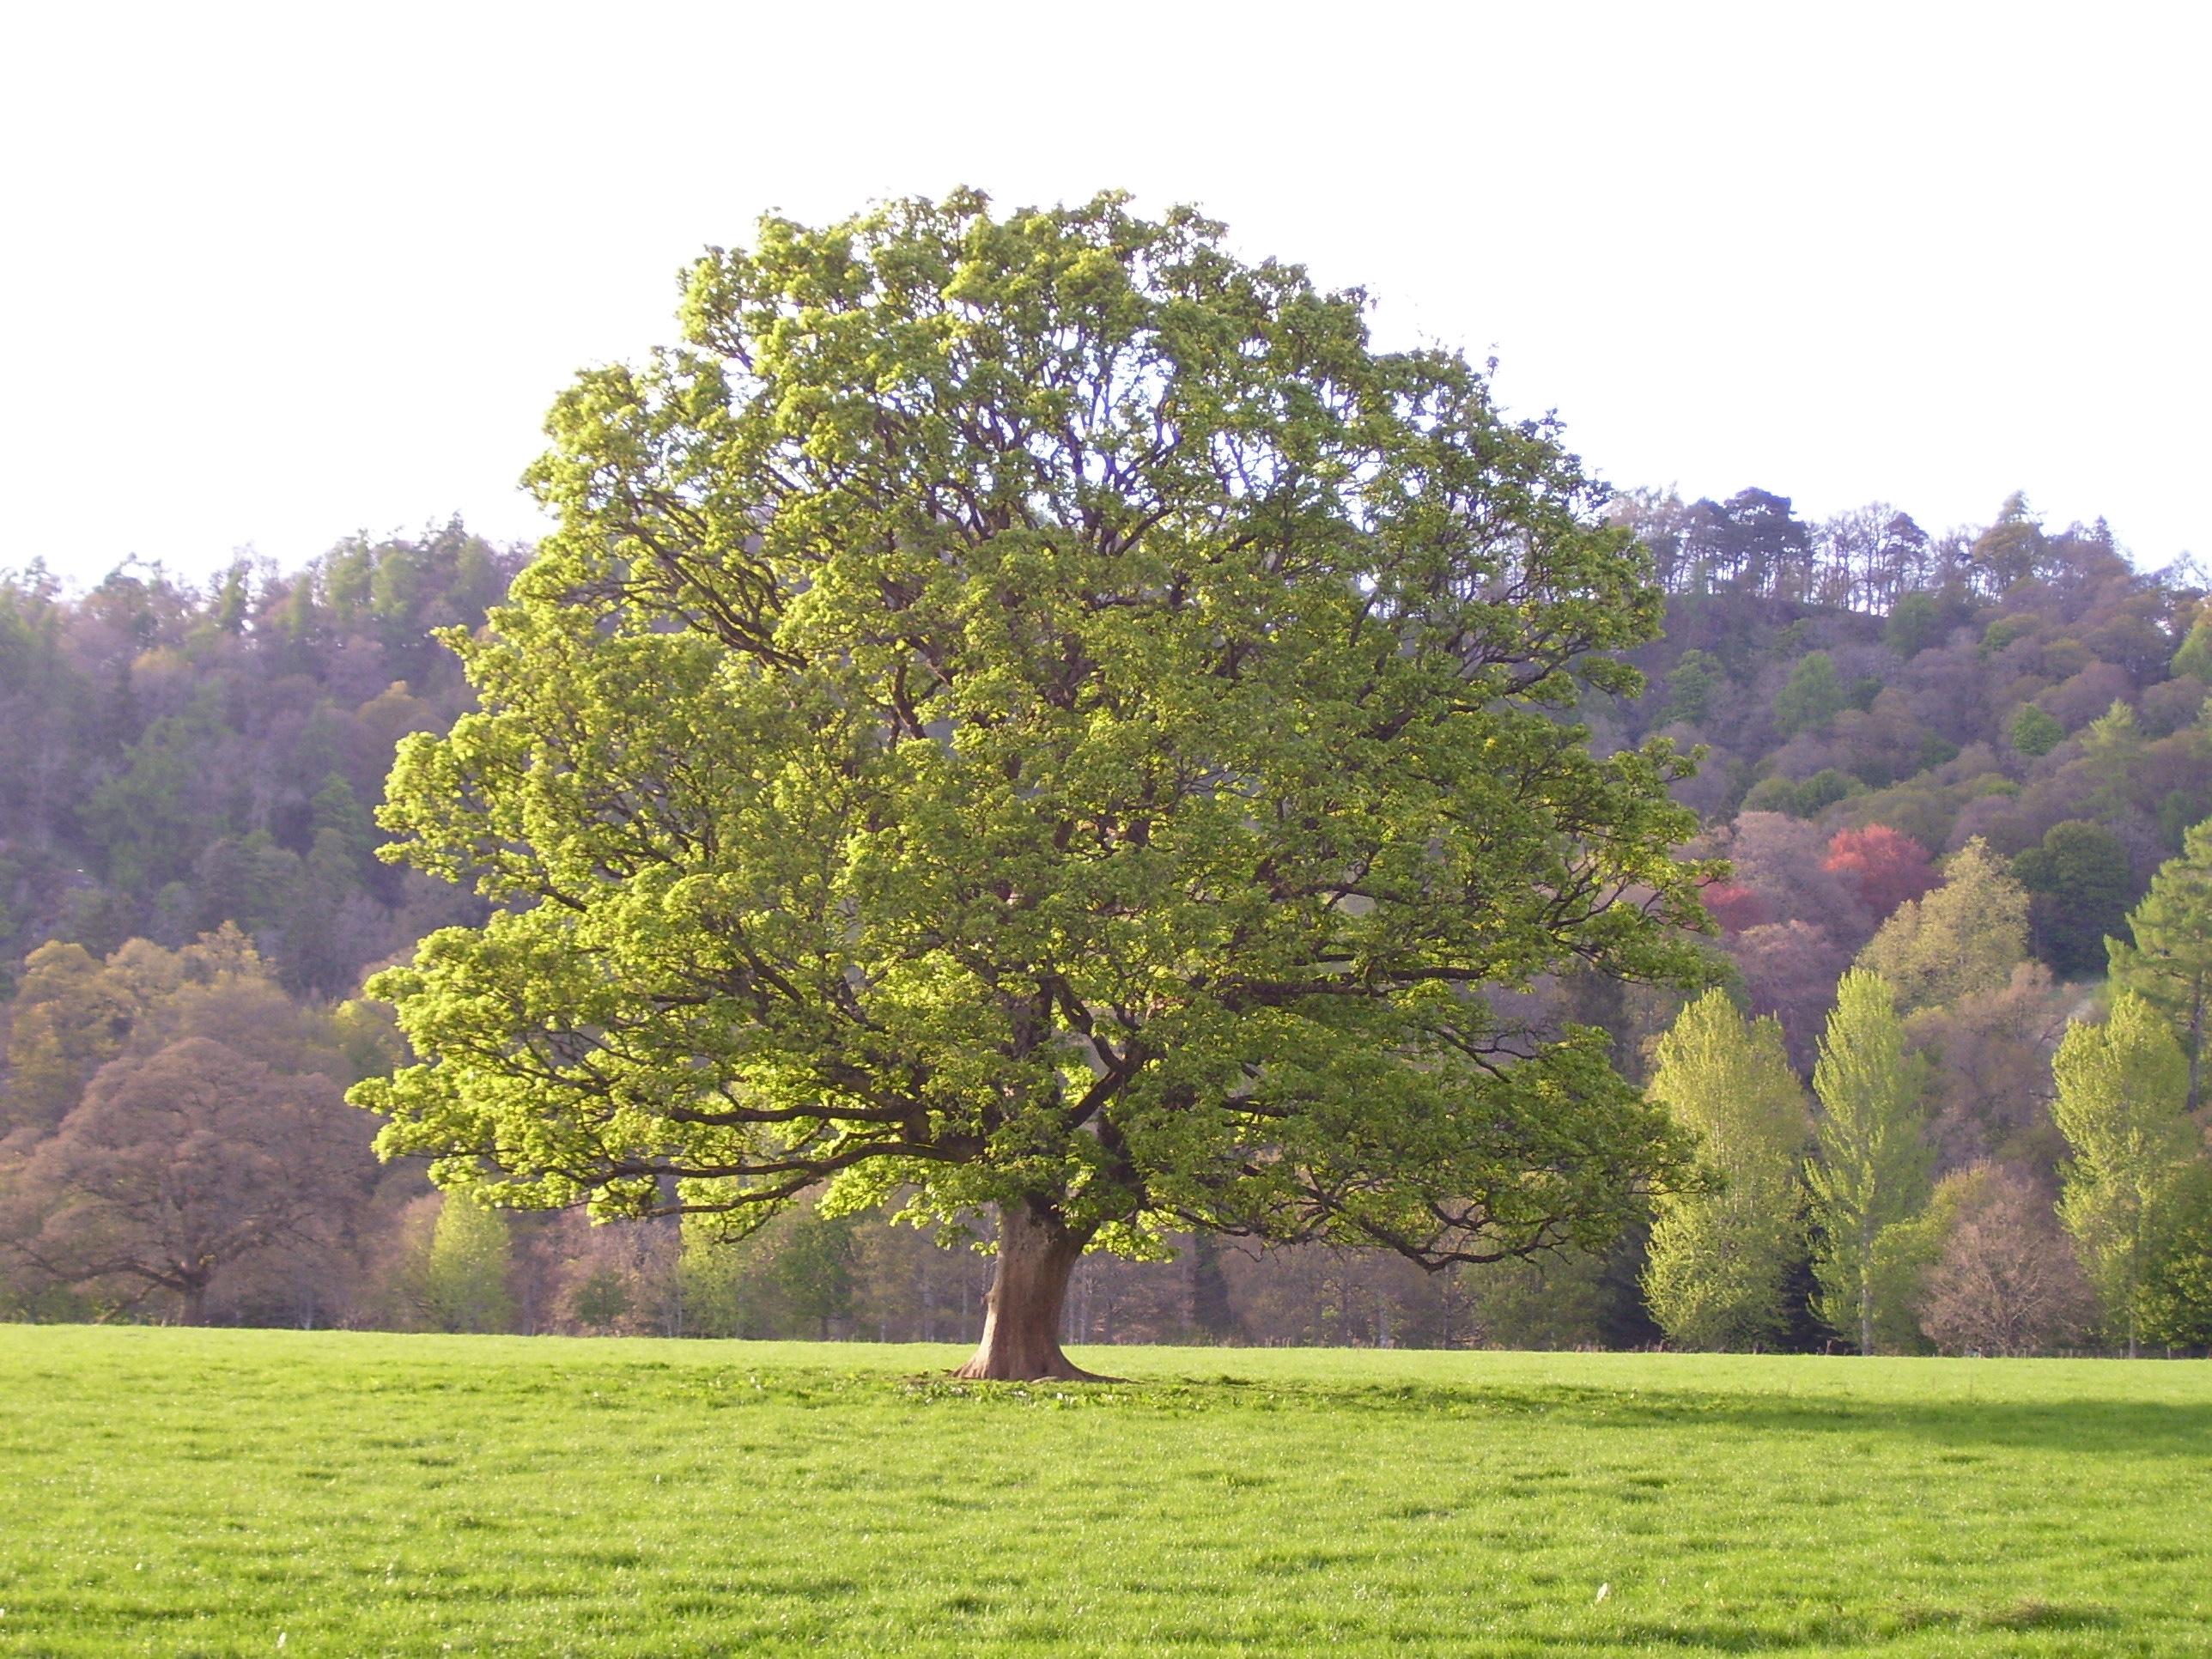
point(2084, 1425)
point(1716, 1636)
point(2090, 1426)
point(2079, 1426)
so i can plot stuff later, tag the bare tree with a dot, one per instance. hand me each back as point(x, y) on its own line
point(1992, 1088)
point(2008, 1282)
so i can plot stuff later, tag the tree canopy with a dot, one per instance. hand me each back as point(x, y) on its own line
point(1034, 712)
point(1813, 697)
point(2079, 882)
point(1960, 939)
point(1719, 1261)
point(177, 1165)
point(2169, 962)
point(1871, 1174)
point(2122, 1090)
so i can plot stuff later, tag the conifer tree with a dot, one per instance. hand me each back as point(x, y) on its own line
point(2169, 965)
point(1719, 1260)
point(2121, 1087)
point(1872, 1170)
point(2112, 749)
point(2079, 882)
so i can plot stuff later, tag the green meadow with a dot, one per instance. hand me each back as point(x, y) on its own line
point(216, 1492)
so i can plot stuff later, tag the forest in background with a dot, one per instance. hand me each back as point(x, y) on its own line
point(189, 899)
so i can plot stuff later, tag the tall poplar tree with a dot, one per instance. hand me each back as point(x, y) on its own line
point(2121, 1089)
point(2169, 964)
point(461, 1282)
point(1719, 1261)
point(1872, 1170)
point(1034, 715)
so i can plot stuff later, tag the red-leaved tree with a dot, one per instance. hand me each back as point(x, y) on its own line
point(1885, 866)
point(1735, 905)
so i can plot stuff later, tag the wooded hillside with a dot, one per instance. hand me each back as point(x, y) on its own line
point(2024, 686)
point(189, 897)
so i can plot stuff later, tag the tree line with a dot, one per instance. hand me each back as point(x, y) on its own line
point(174, 757)
point(192, 905)
point(185, 837)
point(1865, 559)
point(2089, 1224)
point(1998, 743)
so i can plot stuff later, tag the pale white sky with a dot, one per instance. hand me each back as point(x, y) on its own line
point(276, 273)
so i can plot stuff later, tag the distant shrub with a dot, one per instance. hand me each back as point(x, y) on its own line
point(1814, 696)
point(2005, 1282)
point(1936, 751)
point(2034, 732)
point(2169, 706)
point(1736, 907)
point(1803, 800)
point(2194, 657)
point(2002, 632)
point(1690, 685)
point(1916, 622)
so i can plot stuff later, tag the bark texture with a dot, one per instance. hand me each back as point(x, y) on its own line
point(1037, 1251)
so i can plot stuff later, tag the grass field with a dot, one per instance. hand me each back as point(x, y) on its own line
point(247, 1493)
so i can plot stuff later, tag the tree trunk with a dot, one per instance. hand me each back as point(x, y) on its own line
point(1866, 1290)
point(1210, 1309)
point(2196, 1044)
point(1038, 1252)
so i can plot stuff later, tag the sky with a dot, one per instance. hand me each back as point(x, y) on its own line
point(274, 275)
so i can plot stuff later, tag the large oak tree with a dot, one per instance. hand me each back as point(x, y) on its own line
point(1034, 715)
